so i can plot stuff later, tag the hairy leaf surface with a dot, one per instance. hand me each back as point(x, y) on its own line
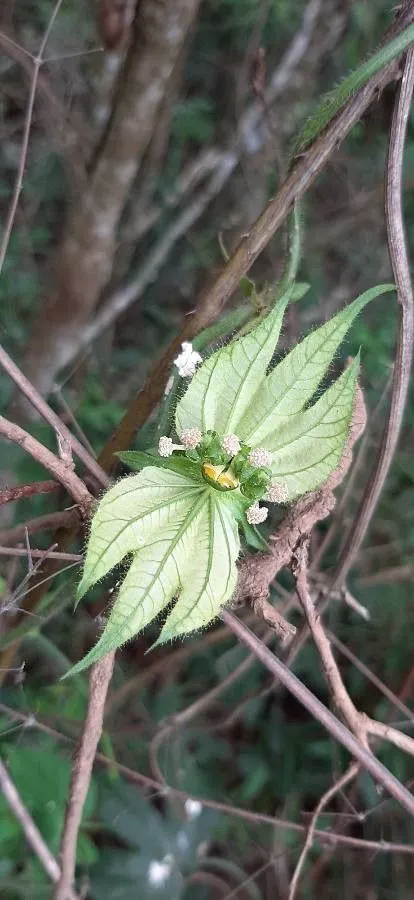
point(309, 447)
point(295, 379)
point(224, 386)
point(185, 548)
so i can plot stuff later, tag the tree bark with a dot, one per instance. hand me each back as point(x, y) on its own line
point(84, 259)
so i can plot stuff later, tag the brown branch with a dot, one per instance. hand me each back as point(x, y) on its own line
point(21, 491)
point(210, 304)
point(326, 837)
point(348, 776)
point(405, 339)
point(40, 554)
point(333, 725)
point(361, 724)
point(30, 392)
point(92, 728)
point(30, 830)
point(342, 700)
point(46, 458)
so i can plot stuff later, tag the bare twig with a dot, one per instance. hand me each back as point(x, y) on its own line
point(37, 62)
point(390, 696)
point(404, 351)
point(20, 491)
point(50, 416)
point(361, 724)
point(348, 776)
point(340, 695)
point(30, 830)
point(82, 769)
point(326, 837)
point(378, 771)
point(40, 554)
point(67, 478)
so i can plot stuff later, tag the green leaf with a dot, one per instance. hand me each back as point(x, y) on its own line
point(334, 100)
point(185, 542)
point(224, 386)
point(295, 379)
point(138, 460)
point(132, 512)
point(309, 447)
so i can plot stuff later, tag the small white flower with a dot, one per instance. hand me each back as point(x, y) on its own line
point(169, 385)
point(259, 457)
point(159, 871)
point(256, 514)
point(277, 493)
point(191, 438)
point(166, 446)
point(193, 808)
point(231, 444)
point(187, 360)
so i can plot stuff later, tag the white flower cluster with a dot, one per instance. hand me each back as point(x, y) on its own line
point(188, 360)
point(256, 514)
point(231, 444)
point(277, 493)
point(166, 446)
point(259, 457)
point(190, 438)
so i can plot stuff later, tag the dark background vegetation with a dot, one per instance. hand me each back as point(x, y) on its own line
point(252, 747)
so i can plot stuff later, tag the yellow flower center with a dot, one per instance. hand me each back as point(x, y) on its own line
point(226, 480)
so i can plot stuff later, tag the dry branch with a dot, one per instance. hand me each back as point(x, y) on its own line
point(348, 776)
point(62, 472)
point(30, 392)
point(81, 774)
point(405, 338)
point(22, 491)
point(338, 731)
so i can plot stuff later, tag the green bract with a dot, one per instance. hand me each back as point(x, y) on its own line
point(177, 520)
